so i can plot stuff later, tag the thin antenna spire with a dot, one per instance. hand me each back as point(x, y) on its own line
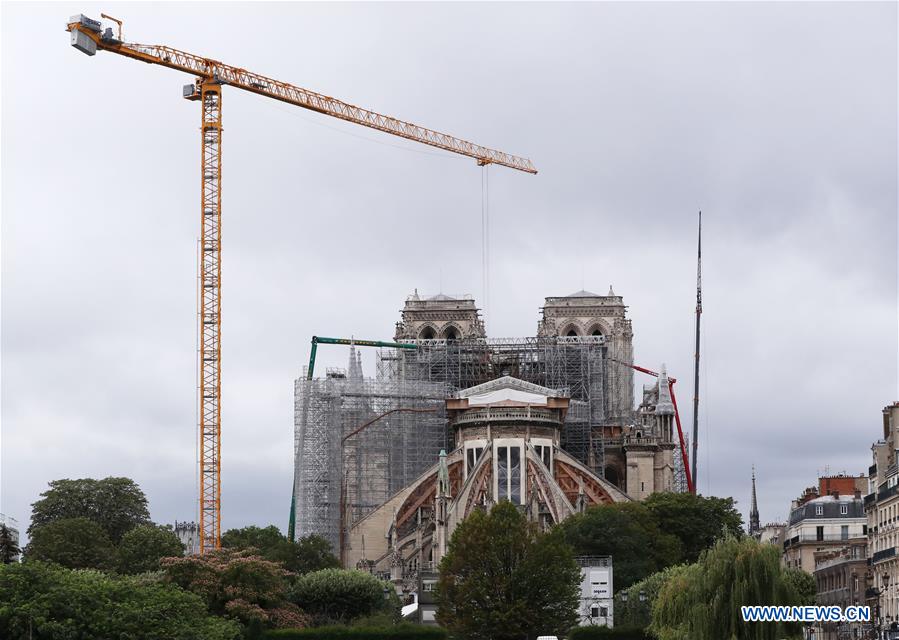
point(696, 360)
point(754, 524)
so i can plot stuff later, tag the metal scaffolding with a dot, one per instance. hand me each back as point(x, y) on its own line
point(362, 471)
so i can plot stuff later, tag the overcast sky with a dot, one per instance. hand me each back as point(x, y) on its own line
point(777, 120)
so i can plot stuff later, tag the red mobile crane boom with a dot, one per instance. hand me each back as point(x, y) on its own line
point(680, 431)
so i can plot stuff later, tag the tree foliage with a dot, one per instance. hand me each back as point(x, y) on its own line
point(629, 533)
point(239, 584)
point(116, 504)
point(9, 550)
point(142, 548)
point(341, 595)
point(310, 553)
point(704, 599)
point(633, 606)
point(697, 521)
point(502, 578)
point(76, 543)
point(803, 585)
point(40, 600)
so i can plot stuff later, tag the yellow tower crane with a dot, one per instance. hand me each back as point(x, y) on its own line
point(89, 36)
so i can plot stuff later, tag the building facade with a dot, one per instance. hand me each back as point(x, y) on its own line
point(597, 590)
point(823, 522)
point(506, 446)
point(882, 510)
point(841, 580)
point(583, 351)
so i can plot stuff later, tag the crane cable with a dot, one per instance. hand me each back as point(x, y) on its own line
point(485, 238)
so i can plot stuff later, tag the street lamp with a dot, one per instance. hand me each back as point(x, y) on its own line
point(642, 596)
point(624, 596)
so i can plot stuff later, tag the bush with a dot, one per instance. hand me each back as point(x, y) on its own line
point(605, 633)
point(43, 600)
point(340, 595)
point(398, 632)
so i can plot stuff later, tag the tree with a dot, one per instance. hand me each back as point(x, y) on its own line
point(629, 533)
point(704, 599)
point(802, 584)
point(341, 595)
point(9, 550)
point(142, 548)
point(633, 606)
point(697, 521)
point(76, 543)
point(116, 504)
point(310, 553)
point(239, 584)
point(502, 578)
point(43, 600)
point(266, 541)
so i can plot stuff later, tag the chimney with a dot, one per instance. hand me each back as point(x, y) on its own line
point(858, 494)
point(835, 494)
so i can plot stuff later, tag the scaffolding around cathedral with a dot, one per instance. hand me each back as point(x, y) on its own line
point(360, 472)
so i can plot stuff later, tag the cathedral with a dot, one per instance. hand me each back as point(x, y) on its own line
point(458, 421)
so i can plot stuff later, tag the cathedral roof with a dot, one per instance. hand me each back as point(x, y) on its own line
point(583, 294)
point(508, 388)
point(442, 297)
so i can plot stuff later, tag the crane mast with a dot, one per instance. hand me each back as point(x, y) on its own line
point(88, 36)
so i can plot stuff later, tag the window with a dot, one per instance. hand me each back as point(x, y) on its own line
point(819, 509)
point(603, 612)
point(820, 533)
point(544, 452)
point(844, 509)
point(508, 474)
point(428, 585)
point(844, 532)
point(594, 612)
point(472, 456)
point(864, 529)
point(642, 486)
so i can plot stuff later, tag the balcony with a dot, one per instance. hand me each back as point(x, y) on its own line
point(886, 492)
point(827, 537)
point(885, 554)
point(870, 499)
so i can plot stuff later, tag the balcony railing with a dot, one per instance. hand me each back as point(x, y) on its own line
point(886, 492)
point(827, 537)
point(885, 554)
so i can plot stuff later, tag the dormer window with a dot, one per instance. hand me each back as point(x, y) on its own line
point(819, 509)
point(844, 509)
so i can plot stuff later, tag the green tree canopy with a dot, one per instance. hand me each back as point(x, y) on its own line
point(802, 584)
point(629, 533)
point(9, 550)
point(116, 504)
point(41, 600)
point(144, 546)
point(265, 540)
point(704, 599)
point(633, 606)
point(697, 521)
point(76, 543)
point(502, 578)
point(341, 595)
point(310, 553)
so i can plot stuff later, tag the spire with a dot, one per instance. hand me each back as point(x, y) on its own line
point(754, 527)
point(611, 293)
point(664, 405)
